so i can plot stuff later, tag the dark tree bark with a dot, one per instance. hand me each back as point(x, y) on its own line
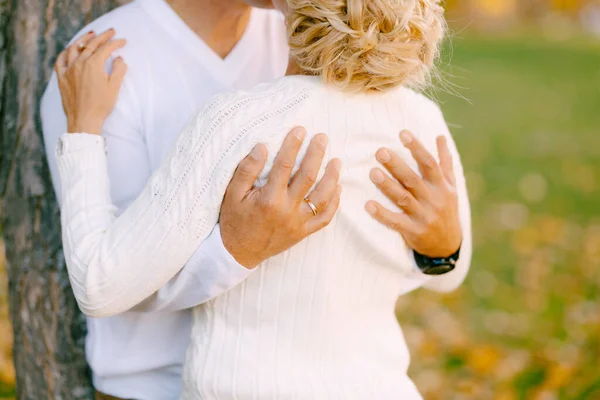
point(49, 330)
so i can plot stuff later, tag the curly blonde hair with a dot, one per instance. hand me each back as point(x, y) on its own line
point(366, 45)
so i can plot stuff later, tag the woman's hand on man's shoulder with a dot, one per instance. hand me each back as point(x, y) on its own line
point(88, 92)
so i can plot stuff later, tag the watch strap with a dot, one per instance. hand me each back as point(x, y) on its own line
point(436, 266)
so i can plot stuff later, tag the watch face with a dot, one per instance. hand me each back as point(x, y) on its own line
point(437, 269)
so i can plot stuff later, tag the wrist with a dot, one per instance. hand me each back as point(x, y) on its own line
point(440, 252)
point(242, 256)
point(244, 260)
point(91, 125)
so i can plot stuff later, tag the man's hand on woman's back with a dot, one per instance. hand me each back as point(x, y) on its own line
point(428, 207)
point(259, 223)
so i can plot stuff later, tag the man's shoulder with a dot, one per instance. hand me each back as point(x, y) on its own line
point(129, 21)
point(272, 16)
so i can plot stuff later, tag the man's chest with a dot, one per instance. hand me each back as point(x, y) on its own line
point(177, 98)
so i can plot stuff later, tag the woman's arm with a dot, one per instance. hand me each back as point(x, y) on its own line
point(211, 270)
point(115, 263)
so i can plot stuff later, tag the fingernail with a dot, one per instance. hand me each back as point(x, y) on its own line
point(299, 133)
point(383, 155)
point(406, 137)
point(377, 175)
point(371, 208)
point(256, 153)
point(90, 33)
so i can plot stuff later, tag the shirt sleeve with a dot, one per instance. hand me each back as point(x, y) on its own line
point(115, 263)
point(211, 270)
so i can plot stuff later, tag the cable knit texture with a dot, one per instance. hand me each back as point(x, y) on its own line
point(317, 321)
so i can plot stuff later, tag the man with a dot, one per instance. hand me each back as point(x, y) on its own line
point(179, 54)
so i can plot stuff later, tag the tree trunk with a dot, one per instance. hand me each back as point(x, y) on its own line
point(49, 330)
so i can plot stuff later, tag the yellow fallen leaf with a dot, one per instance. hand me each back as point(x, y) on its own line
point(483, 359)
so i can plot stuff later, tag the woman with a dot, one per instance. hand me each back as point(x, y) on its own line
point(318, 322)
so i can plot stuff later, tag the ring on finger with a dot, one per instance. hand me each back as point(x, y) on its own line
point(312, 206)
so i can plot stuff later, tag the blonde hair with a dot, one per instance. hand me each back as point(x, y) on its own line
point(366, 45)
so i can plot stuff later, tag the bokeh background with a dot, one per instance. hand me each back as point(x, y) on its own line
point(521, 90)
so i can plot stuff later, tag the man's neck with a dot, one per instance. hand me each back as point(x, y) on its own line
point(219, 23)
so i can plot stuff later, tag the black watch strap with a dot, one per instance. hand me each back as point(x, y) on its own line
point(436, 266)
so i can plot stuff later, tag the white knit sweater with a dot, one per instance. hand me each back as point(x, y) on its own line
point(316, 322)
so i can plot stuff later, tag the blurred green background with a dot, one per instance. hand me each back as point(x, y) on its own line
point(521, 92)
point(526, 324)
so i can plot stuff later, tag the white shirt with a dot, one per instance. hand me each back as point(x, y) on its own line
point(172, 72)
point(315, 322)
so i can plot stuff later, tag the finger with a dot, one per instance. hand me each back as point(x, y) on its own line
point(248, 172)
point(119, 70)
point(395, 192)
point(427, 164)
point(324, 217)
point(403, 173)
point(325, 190)
point(105, 51)
point(95, 43)
point(445, 156)
point(72, 54)
point(306, 176)
point(60, 66)
point(74, 49)
point(396, 221)
point(284, 163)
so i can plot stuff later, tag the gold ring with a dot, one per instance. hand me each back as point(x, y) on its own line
point(312, 206)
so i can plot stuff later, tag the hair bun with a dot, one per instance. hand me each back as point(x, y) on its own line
point(364, 45)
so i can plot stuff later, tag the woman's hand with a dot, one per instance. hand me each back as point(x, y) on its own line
point(88, 92)
point(429, 221)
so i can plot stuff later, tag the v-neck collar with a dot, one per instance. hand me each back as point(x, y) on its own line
point(225, 70)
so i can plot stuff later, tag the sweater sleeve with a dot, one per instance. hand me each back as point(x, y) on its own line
point(115, 263)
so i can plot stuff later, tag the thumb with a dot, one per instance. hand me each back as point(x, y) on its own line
point(248, 171)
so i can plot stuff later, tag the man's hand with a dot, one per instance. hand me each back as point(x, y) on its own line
point(429, 219)
point(259, 223)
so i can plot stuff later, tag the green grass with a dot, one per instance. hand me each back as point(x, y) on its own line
point(528, 318)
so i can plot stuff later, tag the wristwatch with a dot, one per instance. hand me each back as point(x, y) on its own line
point(436, 266)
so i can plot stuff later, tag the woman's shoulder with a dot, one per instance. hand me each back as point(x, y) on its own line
point(278, 89)
point(262, 102)
point(416, 102)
